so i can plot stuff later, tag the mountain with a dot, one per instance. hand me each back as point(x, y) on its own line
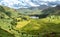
point(6, 15)
point(8, 12)
point(41, 7)
point(16, 4)
point(52, 10)
point(32, 10)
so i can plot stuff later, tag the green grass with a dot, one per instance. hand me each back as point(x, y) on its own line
point(36, 27)
point(43, 26)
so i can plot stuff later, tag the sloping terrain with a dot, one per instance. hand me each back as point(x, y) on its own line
point(14, 24)
point(52, 10)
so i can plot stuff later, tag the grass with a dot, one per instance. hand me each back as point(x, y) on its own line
point(15, 25)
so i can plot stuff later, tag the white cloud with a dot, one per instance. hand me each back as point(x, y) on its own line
point(10, 3)
point(43, 3)
point(31, 3)
point(54, 6)
point(50, 0)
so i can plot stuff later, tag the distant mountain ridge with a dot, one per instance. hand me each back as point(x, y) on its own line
point(52, 10)
point(41, 7)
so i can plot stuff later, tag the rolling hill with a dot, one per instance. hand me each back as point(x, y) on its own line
point(15, 24)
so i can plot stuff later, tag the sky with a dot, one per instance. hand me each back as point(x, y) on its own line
point(12, 3)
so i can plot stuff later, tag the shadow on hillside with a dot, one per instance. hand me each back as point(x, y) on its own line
point(2, 9)
point(52, 30)
point(4, 33)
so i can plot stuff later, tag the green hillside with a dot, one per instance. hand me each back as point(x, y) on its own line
point(6, 16)
point(15, 24)
point(29, 11)
point(52, 10)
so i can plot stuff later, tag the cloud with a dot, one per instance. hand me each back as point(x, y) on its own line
point(9, 3)
point(50, 0)
point(31, 3)
point(23, 3)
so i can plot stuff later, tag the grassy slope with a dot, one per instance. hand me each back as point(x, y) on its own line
point(6, 15)
point(29, 26)
point(45, 25)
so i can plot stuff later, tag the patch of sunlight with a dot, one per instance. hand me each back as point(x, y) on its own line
point(22, 24)
point(35, 27)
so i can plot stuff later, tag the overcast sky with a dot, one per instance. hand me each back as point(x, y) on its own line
point(10, 3)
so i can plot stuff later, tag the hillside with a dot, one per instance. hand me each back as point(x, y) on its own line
point(52, 10)
point(15, 24)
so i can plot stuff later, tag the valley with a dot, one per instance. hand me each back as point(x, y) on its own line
point(29, 23)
